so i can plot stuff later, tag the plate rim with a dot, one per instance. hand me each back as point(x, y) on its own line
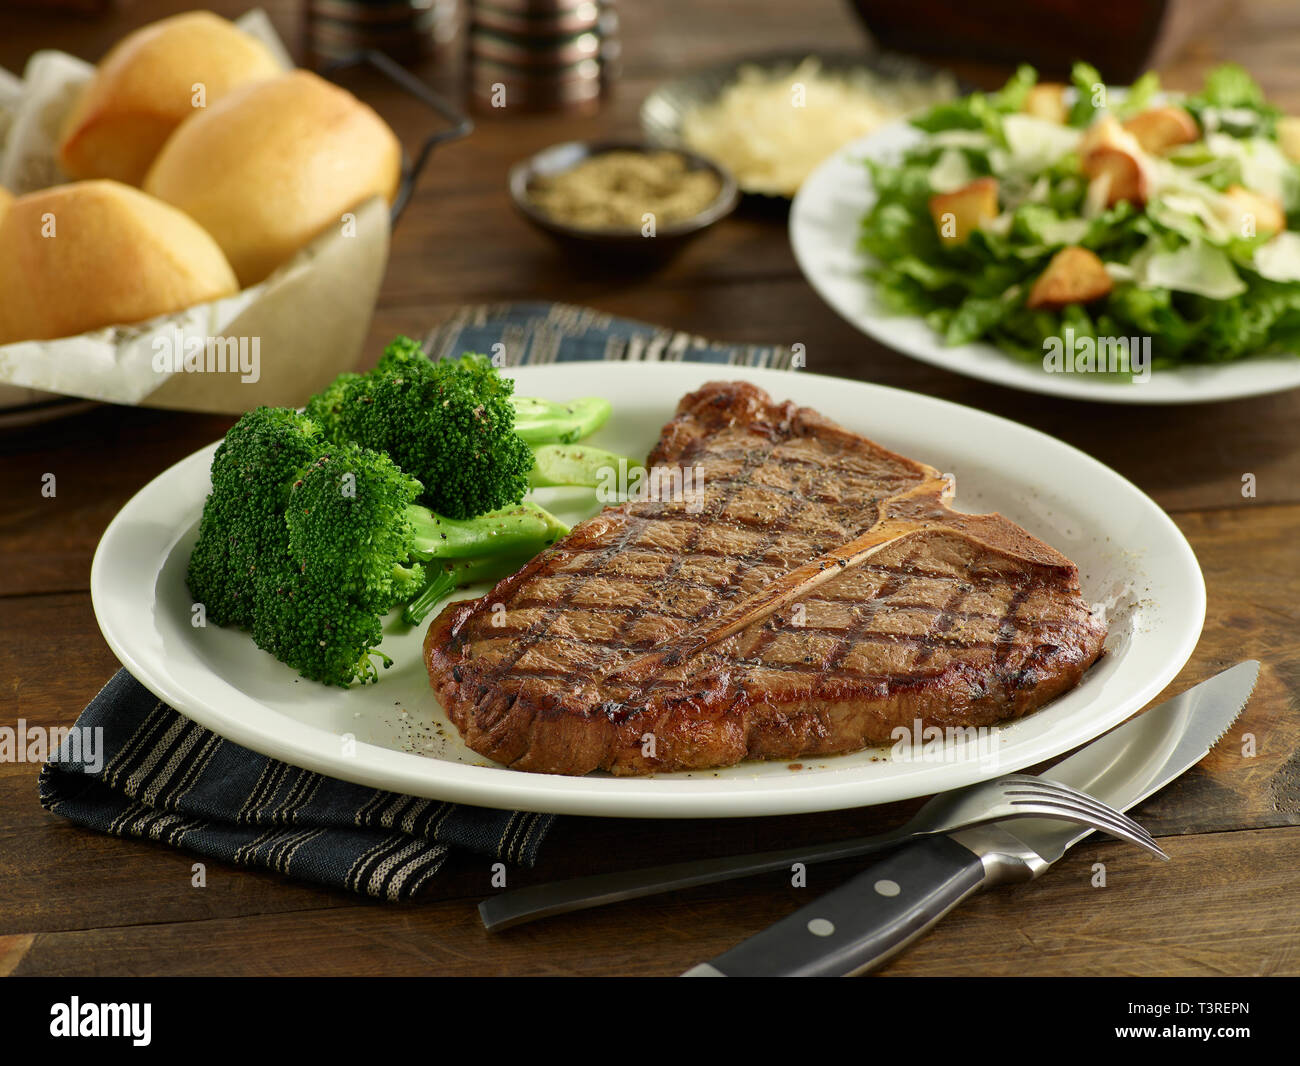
point(497, 786)
point(1006, 372)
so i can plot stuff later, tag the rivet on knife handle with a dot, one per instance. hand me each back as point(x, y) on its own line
point(863, 922)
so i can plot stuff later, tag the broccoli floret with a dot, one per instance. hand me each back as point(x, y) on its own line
point(242, 523)
point(327, 406)
point(351, 524)
point(309, 543)
point(305, 543)
point(458, 435)
point(348, 543)
point(319, 524)
point(449, 424)
point(317, 629)
point(458, 428)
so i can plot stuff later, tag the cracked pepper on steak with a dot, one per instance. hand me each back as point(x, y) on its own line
point(615, 632)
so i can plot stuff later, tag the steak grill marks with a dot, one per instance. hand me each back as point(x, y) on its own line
point(974, 610)
point(751, 460)
point(860, 632)
point(671, 581)
point(577, 580)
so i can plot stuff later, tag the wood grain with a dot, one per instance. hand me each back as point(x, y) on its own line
point(96, 877)
point(1242, 885)
point(79, 902)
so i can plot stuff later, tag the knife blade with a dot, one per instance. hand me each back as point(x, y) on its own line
point(876, 914)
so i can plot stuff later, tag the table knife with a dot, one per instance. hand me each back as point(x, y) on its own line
point(859, 925)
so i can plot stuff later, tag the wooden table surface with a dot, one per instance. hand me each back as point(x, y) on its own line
point(76, 902)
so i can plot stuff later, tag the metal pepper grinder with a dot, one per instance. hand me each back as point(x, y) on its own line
point(405, 30)
point(541, 55)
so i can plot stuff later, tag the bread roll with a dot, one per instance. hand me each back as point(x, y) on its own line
point(273, 164)
point(98, 253)
point(145, 87)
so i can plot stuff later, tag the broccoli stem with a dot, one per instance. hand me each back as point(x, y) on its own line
point(439, 584)
point(578, 465)
point(367, 672)
point(547, 422)
point(525, 527)
point(443, 579)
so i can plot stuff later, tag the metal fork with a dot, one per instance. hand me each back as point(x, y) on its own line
point(1013, 796)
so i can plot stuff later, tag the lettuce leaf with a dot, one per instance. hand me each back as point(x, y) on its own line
point(1091, 95)
point(1228, 85)
point(1179, 280)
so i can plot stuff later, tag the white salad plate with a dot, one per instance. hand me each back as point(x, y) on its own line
point(1133, 561)
point(825, 220)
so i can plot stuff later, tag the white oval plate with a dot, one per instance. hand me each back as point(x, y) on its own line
point(825, 221)
point(1129, 553)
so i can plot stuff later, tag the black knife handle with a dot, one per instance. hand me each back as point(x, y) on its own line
point(861, 923)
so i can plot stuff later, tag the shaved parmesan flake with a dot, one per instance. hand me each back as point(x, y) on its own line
point(1198, 268)
point(1034, 144)
point(1000, 225)
point(1064, 231)
point(951, 171)
point(977, 139)
point(1279, 259)
point(1094, 200)
point(1194, 217)
point(771, 129)
point(1190, 207)
point(1264, 168)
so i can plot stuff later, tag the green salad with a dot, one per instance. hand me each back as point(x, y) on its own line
point(1042, 208)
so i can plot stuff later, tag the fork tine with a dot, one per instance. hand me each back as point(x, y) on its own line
point(1113, 829)
point(1044, 783)
point(1040, 786)
point(1083, 802)
point(1078, 802)
point(1117, 826)
point(1044, 788)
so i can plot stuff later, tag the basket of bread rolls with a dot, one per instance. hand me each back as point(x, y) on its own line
point(192, 222)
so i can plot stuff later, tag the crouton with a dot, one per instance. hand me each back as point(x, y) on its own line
point(1126, 172)
point(1074, 276)
point(1046, 100)
point(1288, 136)
point(1106, 132)
point(1159, 129)
point(1255, 212)
point(959, 213)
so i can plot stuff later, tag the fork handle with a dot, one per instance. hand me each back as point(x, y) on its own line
point(581, 893)
point(863, 922)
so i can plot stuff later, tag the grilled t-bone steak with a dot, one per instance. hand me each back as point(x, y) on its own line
point(822, 595)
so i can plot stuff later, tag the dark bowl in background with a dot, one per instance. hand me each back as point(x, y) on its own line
point(1122, 38)
point(626, 246)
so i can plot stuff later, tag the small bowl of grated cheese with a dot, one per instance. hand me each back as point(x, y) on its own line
point(639, 201)
point(772, 121)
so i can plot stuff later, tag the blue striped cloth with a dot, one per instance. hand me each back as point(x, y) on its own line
point(533, 333)
point(161, 777)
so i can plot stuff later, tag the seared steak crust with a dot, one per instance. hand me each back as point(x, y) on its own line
point(969, 622)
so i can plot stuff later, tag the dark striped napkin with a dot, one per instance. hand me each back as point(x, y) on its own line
point(537, 332)
point(158, 776)
point(162, 777)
